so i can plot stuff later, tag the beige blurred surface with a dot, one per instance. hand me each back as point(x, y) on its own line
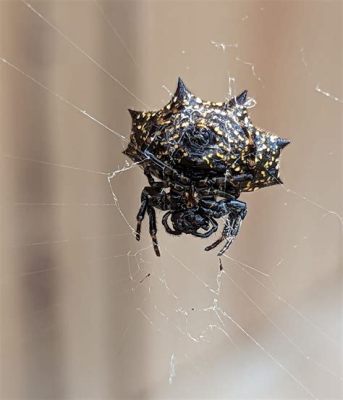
point(78, 319)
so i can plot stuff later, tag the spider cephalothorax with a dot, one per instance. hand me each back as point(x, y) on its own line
point(203, 155)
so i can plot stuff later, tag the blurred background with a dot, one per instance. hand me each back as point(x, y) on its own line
point(89, 313)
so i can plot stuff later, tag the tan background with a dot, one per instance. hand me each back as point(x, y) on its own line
point(76, 323)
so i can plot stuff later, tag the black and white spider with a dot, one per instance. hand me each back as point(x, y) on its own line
point(198, 157)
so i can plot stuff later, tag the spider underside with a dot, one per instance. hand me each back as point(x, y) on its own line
point(191, 209)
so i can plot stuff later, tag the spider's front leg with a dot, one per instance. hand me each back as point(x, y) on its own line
point(153, 229)
point(151, 197)
point(235, 211)
point(230, 231)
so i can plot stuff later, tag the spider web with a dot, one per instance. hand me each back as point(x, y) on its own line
point(91, 313)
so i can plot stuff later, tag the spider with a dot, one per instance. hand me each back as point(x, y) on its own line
point(198, 156)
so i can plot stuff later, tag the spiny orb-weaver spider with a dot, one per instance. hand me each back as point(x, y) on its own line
point(198, 156)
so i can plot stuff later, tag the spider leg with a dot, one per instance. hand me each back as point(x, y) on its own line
point(236, 211)
point(147, 173)
point(226, 246)
point(154, 184)
point(214, 244)
point(153, 228)
point(141, 215)
point(209, 232)
point(150, 197)
point(218, 241)
point(230, 234)
point(166, 225)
